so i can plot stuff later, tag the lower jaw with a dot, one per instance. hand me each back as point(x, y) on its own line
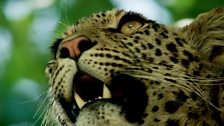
point(71, 109)
point(121, 94)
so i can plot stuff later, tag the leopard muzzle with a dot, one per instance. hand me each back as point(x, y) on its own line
point(75, 89)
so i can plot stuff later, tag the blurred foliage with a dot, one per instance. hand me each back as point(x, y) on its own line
point(23, 85)
point(23, 79)
point(190, 8)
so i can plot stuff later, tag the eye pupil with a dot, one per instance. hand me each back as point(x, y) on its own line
point(130, 26)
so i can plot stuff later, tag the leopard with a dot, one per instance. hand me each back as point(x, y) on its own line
point(119, 68)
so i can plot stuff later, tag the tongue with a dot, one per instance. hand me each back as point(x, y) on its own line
point(86, 78)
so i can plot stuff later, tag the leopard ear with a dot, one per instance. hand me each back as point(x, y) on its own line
point(206, 35)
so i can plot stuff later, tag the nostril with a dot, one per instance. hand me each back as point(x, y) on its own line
point(75, 47)
point(85, 45)
point(64, 53)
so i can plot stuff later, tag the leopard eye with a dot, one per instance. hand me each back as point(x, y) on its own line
point(130, 27)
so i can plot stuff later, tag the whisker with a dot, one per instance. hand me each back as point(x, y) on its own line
point(41, 115)
point(38, 109)
point(192, 85)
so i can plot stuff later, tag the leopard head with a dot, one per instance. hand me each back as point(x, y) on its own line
point(113, 69)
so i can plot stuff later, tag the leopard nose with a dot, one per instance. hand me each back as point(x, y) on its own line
point(75, 47)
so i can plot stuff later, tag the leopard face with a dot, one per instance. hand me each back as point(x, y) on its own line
point(119, 68)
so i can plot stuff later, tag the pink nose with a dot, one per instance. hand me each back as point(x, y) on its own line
point(75, 47)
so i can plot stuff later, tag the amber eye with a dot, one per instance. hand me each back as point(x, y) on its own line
point(130, 27)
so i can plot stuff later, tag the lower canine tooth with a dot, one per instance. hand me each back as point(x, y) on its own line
point(106, 92)
point(79, 101)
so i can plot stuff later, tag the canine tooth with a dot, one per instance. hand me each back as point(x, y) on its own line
point(106, 92)
point(79, 100)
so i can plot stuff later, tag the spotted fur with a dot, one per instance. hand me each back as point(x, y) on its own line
point(167, 76)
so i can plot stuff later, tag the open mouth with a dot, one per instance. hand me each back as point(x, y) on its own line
point(88, 88)
point(124, 89)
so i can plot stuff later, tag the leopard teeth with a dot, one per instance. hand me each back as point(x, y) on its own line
point(106, 92)
point(79, 101)
point(94, 99)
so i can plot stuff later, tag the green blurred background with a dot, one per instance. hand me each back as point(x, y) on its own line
point(27, 29)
